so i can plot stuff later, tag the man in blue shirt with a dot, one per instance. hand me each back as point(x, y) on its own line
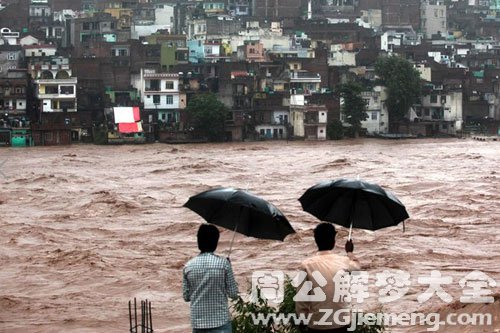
point(208, 281)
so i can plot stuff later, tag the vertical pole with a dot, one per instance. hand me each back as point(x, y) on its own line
point(146, 319)
point(135, 314)
point(150, 318)
point(142, 316)
point(130, 314)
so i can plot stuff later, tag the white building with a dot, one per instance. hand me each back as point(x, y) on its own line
point(444, 109)
point(55, 86)
point(9, 36)
point(433, 18)
point(339, 56)
point(40, 51)
point(395, 37)
point(164, 20)
point(197, 29)
point(161, 92)
point(378, 116)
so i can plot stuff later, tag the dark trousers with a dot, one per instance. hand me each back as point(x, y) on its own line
point(333, 330)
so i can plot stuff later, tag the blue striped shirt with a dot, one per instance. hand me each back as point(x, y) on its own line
point(208, 281)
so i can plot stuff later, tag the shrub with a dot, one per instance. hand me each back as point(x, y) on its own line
point(243, 310)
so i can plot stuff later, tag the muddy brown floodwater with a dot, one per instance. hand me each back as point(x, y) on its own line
point(84, 229)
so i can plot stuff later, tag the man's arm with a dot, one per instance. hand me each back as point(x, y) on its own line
point(186, 290)
point(231, 285)
point(354, 264)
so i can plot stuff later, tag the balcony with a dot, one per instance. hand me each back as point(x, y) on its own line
point(305, 77)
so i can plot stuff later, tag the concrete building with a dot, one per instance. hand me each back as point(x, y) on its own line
point(277, 8)
point(55, 85)
point(161, 93)
point(378, 116)
point(433, 18)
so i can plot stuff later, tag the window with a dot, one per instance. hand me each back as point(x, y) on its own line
point(163, 116)
point(374, 116)
point(169, 85)
point(434, 98)
point(51, 90)
point(86, 26)
point(156, 99)
point(170, 99)
point(67, 90)
point(153, 85)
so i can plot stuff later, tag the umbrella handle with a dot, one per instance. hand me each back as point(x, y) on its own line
point(232, 241)
point(234, 234)
point(350, 232)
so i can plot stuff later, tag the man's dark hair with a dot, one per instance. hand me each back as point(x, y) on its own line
point(324, 235)
point(208, 238)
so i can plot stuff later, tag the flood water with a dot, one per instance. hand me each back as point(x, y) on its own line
point(84, 229)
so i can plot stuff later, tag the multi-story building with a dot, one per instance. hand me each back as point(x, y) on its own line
point(161, 93)
point(377, 121)
point(433, 18)
point(101, 27)
point(14, 118)
point(305, 82)
point(440, 111)
point(401, 12)
point(55, 85)
point(11, 57)
point(251, 51)
point(239, 7)
point(276, 9)
point(55, 120)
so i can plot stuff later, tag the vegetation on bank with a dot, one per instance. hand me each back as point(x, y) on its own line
point(243, 321)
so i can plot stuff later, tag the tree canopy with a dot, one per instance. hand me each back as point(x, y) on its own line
point(354, 107)
point(207, 116)
point(403, 87)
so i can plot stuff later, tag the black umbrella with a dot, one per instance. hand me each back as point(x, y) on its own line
point(353, 204)
point(242, 212)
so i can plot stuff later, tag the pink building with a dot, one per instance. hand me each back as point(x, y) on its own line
point(252, 51)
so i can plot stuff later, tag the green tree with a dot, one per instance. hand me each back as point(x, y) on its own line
point(335, 130)
point(207, 116)
point(403, 87)
point(354, 107)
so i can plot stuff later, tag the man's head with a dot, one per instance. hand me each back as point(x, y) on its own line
point(324, 235)
point(208, 238)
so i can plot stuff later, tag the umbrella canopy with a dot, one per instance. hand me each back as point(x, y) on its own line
point(353, 203)
point(242, 212)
